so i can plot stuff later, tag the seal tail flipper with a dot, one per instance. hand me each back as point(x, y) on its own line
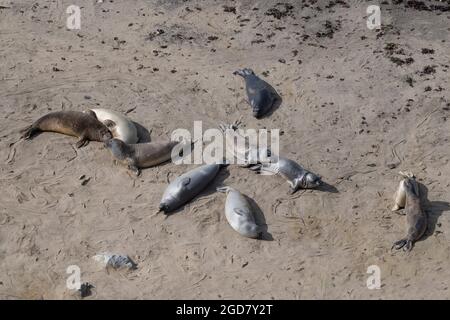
point(29, 132)
point(256, 168)
point(223, 189)
point(239, 72)
point(408, 246)
point(399, 244)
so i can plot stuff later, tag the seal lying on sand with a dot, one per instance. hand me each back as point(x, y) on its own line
point(400, 193)
point(141, 155)
point(72, 123)
point(187, 186)
point(120, 126)
point(261, 95)
point(238, 212)
point(296, 175)
point(415, 216)
point(245, 153)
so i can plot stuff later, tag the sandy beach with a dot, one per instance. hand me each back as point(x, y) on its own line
point(358, 106)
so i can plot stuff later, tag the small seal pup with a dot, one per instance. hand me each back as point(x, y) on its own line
point(120, 126)
point(246, 154)
point(140, 155)
point(187, 186)
point(238, 212)
point(415, 216)
point(400, 193)
point(261, 95)
point(72, 123)
point(115, 261)
point(295, 174)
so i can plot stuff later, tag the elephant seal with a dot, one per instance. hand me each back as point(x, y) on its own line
point(72, 123)
point(141, 155)
point(400, 193)
point(120, 126)
point(115, 261)
point(246, 154)
point(295, 174)
point(261, 95)
point(416, 217)
point(238, 212)
point(187, 186)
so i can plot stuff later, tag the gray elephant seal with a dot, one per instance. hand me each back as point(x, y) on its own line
point(72, 123)
point(141, 155)
point(242, 149)
point(295, 174)
point(415, 216)
point(261, 95)
point(187, 186)
point(238, 212)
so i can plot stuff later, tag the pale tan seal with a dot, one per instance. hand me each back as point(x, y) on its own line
point(416, 217)
point(120, 126)
point(72, 123)
point(400, 193)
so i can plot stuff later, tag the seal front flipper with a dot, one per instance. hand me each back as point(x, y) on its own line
point(82, 142)
point(184, 182)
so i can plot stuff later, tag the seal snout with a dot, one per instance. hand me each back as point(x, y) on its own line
point(244, 72)
point(164, 208)
point(319, 181)
point(107, 136)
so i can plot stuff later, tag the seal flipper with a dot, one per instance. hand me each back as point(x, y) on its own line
point(223, 189)
point(294, 186)
point(403, 243)
point(82, 142)
point(184, 182)
point(257, 168)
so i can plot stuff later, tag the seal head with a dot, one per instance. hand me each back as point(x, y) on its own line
point(309, 181)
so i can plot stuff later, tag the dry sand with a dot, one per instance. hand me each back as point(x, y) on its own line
point(354, 107)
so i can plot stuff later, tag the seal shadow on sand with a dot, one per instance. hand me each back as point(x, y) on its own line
point(209, 190)
point(260, 220)
point(433, 209)
point(143, 133)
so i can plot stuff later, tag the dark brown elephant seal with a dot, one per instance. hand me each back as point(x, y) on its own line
point(140, 155)
point(72, 123)
point(415, 216)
